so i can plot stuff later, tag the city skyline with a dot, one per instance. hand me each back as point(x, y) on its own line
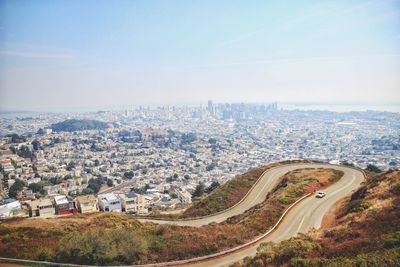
point(65, 56)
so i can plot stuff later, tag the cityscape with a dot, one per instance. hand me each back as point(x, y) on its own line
point(205, 133)
point(168, 151)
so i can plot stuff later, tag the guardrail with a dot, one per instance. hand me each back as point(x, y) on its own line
point(230, 208)
point(211, 256)
point(214, 214)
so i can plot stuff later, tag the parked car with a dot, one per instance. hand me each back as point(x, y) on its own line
point(320, 195)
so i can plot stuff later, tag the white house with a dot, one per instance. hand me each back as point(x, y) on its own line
point(109, 202)
point(183, 195)
point(133, 203)
point(9, 208)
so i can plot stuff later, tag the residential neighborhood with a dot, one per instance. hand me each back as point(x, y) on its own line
point(146, 159)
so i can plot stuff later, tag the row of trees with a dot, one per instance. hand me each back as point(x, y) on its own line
point(201, 189)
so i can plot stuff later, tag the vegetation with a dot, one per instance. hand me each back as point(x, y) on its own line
point(373, 168)
point(72, 125)
point(229, 193)
point(36, 187)
point(366, 232)
point(84, 238)
point(15, 138)
point(17, 186)
point(199, 190)
point(102, 247)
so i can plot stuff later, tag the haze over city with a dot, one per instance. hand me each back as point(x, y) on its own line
point(70, 55)
point(200, 133)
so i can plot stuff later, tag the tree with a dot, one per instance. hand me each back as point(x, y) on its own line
point(212, 141)
point(54, 180)
point(210, 167)
point(41, 131)
point(36, 145)
point(188, 138)
point(15, 188)
point(71, 165)
point(87, 191)
point(200, 188)
point(212, 187)
point(95, 184)
point(35, 187)
point(15, 138)
point(129, 174)
point(24, 152)
point(373, 168)
point(186, 177)
point(110, 182)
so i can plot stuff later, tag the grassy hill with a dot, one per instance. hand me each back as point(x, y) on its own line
point(73, 125)
point(365, 231)
point(229, 193)
point(117, 238)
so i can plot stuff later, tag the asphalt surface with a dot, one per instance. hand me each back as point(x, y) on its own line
point(306, 215)
point(267, 182)
point(303, 217)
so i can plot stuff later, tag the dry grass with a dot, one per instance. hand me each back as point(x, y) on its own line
point(361, 234)
point(41, 238)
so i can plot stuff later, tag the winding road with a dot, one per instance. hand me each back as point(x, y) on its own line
point(304, 216)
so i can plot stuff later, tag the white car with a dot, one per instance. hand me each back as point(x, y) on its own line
point(320, 195)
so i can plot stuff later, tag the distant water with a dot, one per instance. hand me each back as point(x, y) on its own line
point(24, 114)
point(340, 108)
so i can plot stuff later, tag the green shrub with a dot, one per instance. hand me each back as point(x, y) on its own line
point(362, 205)
point(286, 200)
point(101, 247)
point(393, 240)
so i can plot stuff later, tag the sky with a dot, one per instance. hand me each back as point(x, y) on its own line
point(66, 55)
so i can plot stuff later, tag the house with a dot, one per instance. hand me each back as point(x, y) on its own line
point(42, 207)
point(183, 195)
point(133, 203)
point(109, 202)
point(25, 194)
point(9, 207)
point(61, 205)
point(86, 204)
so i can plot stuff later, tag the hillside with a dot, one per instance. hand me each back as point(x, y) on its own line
point(107, 238)
point(364, 230)
point(231, 192)
point(72, 125)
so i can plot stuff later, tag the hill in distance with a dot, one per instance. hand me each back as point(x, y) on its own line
point(73, 125)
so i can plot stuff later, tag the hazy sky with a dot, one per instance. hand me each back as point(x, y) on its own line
point(70, 54)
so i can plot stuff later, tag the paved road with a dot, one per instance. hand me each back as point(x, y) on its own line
point(303, 217)
point(117, 187)
point(306, 215)
point(266, 183)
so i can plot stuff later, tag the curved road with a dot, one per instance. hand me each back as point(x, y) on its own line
point(303, 217)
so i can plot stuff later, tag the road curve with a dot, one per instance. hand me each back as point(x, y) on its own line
point(268, 180)
point(306, 215)
point(303, 216)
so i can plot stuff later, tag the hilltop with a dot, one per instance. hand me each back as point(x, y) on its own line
point(72, 125)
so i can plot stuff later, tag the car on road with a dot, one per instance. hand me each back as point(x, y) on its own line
point(320, 195)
